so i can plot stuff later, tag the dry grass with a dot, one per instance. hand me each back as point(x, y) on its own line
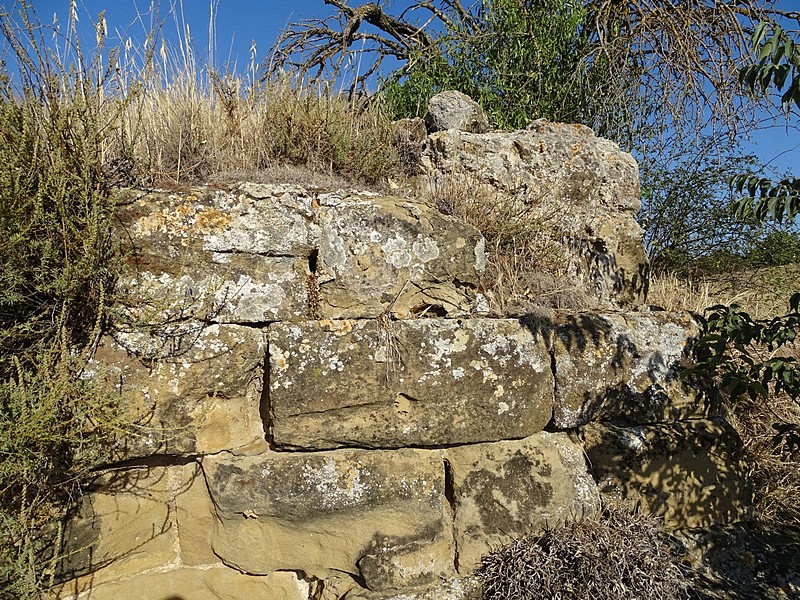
point(527, 260)
point(774, 472)
point(615, 556)
point(762, 292)
point(184, 130)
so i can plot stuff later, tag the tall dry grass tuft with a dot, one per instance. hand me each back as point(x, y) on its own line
point(527, 260)
point(184, 121)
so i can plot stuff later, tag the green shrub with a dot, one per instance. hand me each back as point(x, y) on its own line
point(57, 265)
point(777, 249)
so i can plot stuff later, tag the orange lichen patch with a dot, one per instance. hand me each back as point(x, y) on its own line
point(211, 219)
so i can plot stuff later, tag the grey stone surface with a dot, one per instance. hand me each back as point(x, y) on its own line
point(390, 384)
point(388, 255)
point(624, 367)
point(326, 511)
point(227, 257)
point(562, 175)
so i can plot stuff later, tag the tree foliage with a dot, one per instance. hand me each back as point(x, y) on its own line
point(750, 355)
point(638, 68)
point(778, 56)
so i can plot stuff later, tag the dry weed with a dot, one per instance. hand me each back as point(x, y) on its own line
point(181, 121)
point(617, 555)
point(527, 260)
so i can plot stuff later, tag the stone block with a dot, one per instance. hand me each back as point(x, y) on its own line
point(689, 472)
point(457, 588)
point(190, 389)
point(387, 255)
point(623, 366)
point(123, 528)
point(210, 582)
point(392, 384)
point(581, 187)
point(236, 257)
point(505, 490)
point(194, 516)
point(326, 511)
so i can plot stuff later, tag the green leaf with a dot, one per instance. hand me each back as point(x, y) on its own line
point(759, 32)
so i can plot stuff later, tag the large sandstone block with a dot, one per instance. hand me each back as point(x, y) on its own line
point(266, 253)
point(581, 186)
point(623, 366)
point(388, 255)
point(379, 515)
point(189, 387)
point(209, 582)
point(123, 528)
point(690, 472)
point(463, 588)
point(392, 384)
point(505, 490)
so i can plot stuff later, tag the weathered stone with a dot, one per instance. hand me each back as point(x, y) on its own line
point(238, 257)
point(565, 176)
point(454, 110)
point(505, 490)
point(191, 388)
point(464, 588)
point(209, 582)
point(390, 384)
point(325, 511)
point(387, 255)
point(396, 564)
point(623, 366)
point(127, 524)
point(194, 515)
point(690, 472)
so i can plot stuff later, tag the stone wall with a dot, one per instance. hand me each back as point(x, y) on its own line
point(324, 410)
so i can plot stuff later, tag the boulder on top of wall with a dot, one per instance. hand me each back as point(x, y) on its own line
point(455, 110)
point(188, 387)
point(505, 490)
point(562, 176)
point(690, 473)
point(266, 253)
point(615, 366)
point(325, 512)
point(421, 382)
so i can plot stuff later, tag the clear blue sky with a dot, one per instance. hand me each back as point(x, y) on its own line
point(239, 23)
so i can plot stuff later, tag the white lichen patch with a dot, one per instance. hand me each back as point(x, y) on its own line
point(480, 256)
point(426, 249)
point(249, 301)
point(398, 253)
point(337, 486)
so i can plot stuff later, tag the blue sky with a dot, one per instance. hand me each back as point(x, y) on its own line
point(239, 23)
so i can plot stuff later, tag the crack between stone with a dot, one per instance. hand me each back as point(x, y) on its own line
point(449, 495)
